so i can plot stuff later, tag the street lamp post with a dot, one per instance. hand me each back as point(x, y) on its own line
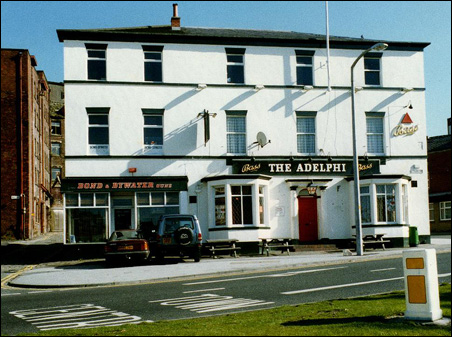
point(358, 223)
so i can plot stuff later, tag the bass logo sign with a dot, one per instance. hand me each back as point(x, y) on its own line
point(405, 128)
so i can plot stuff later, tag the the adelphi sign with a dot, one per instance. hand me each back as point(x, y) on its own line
point(305, 167)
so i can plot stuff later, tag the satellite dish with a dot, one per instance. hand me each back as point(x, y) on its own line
point(262, 139)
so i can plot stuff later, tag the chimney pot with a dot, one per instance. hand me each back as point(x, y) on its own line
point(175, 20)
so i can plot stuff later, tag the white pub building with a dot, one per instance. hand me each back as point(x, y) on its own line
point(249, 130)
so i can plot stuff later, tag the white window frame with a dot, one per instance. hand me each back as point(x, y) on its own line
point(431, 211)
point(300, 134)
point(381, 134)
point(153, 149)
point(443, 207)
point(366, 70)
point(401, 200)
point(99, 149)
point(259, 188)
point(230, 134)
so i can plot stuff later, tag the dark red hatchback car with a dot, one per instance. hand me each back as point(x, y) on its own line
point(126, 245)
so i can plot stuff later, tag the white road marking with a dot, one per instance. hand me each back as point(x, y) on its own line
point(75, 317)
point(202, 290)
point(385, 269)
point(11, 294)
point(295, 292)
point(210, 303)
point(263, 276)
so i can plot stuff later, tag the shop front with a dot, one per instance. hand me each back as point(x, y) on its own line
point(95, 207)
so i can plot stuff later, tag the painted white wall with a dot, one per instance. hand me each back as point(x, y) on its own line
point(270, 110)
point(194, 63)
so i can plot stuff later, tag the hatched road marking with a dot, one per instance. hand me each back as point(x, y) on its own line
point(210, 303)
point(75, 317)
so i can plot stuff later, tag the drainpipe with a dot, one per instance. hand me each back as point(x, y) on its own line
point(21, 228)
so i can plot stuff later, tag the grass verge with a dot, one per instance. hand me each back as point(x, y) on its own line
point(380, 315)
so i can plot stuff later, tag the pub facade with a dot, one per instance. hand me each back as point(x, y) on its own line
point(241, 128)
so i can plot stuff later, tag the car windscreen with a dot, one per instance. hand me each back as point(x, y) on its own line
point(172, 224)
point(126, 235)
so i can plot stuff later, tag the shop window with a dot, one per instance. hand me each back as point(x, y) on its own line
point(86, 217)
point(151, 205)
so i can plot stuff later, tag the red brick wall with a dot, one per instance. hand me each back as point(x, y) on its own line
point(18, 74)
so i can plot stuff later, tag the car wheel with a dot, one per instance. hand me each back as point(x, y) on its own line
point(197, 255)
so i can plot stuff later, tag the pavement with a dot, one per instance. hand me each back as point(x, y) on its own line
point(55, 273)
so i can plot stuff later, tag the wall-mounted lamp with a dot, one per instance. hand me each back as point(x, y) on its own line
point(358, 89)
point(409, 105)
point(405, 90)
point(307, 87)
point(201, 87)
point(259, 87)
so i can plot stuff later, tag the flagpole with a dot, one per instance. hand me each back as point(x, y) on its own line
point(327, 45)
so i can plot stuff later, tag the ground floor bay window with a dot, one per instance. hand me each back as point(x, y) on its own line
point(384, 202)
point(238, 203)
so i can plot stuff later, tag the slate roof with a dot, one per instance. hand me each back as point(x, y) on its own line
point(164, 34)
point(439, 143)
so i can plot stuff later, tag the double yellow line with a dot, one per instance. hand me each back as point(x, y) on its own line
point(12, 276)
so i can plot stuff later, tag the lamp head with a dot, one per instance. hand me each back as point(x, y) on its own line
point(379, 46)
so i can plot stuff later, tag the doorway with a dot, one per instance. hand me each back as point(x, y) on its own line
point(123, 218)
point(122, 212)
point(307, 219)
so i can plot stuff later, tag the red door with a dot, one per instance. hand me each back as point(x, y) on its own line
point(307, 219)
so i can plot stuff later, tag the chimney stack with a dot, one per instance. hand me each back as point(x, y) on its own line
point(175, 20)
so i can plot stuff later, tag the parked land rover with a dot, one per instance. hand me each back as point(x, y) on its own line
point(177, 234)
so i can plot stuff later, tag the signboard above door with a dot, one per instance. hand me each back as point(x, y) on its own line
point(304, 167)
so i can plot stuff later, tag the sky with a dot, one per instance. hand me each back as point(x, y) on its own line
point(32, 25)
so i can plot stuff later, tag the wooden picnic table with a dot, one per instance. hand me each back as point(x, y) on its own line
point(373, 240)
point(282, 244)
point(223, 245)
